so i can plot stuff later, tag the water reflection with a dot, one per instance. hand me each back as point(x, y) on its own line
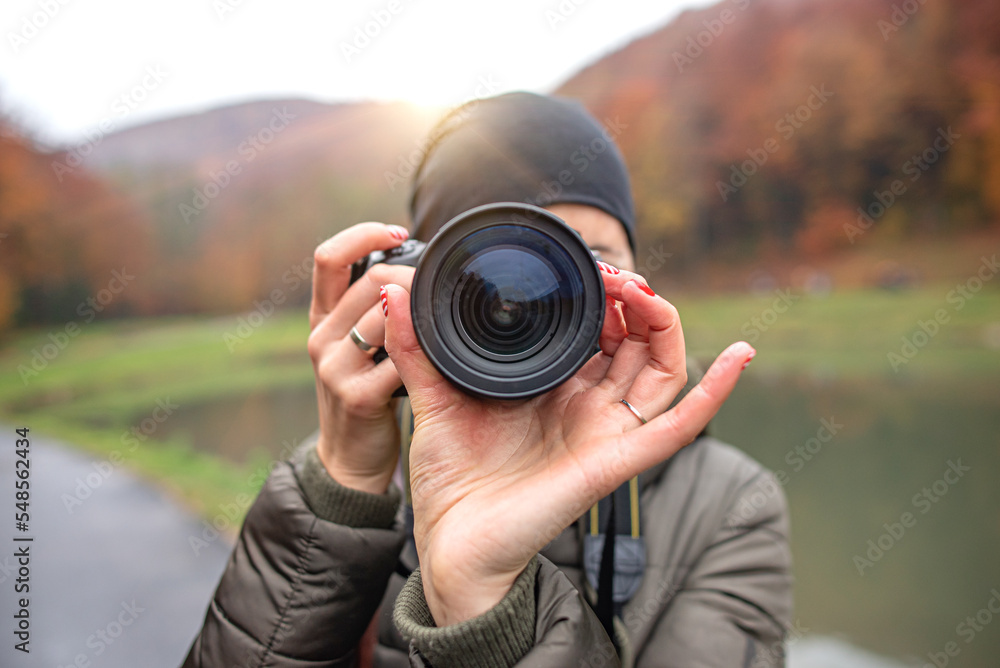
point(238, 428)
point(856, 456)
point(896, 450)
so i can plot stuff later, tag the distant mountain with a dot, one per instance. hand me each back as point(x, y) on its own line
point(767, 132)
point(779, 129)
point(192, 138)
point(247, 191)
point(353, 138)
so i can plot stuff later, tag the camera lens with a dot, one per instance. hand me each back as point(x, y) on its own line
point(507, 301)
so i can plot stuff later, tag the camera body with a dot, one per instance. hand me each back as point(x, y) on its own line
point(507, 300)
point(408, 254)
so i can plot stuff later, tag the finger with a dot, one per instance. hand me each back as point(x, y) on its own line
point(350, 372)
point(670, 431)
point(616, 324)
point(364, 293)
point(371, 330)
point(665, 371)
point(614, 283)
point(428, 390)
point(634, 324)
point(334, 257)
point(613, 330)
point(594, 370)
point(367, 385)
point(648, 374)
point(337, 324)
point(336, 357)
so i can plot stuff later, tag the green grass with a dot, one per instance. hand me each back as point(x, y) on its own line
point(110, 376)
point(851, 334)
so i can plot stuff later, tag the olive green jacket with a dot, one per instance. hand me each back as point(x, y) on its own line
point(316, 561)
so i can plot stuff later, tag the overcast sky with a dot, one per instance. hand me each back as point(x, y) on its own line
point(66, 66)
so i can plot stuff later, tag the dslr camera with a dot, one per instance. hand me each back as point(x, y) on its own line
point(507, 300)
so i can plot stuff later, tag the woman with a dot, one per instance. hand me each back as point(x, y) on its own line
point(507, 528)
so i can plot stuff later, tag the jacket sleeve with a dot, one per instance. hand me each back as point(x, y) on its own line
point(542, 622)
point(734, 608)
point(306, 576)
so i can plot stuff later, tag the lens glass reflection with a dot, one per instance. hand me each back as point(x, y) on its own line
point(508, 300)
point(513, 290)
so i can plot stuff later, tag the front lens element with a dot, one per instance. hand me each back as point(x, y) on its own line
point(506, 300)
point(507, 307)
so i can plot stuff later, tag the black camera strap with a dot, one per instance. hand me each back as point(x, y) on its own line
point(614, 568)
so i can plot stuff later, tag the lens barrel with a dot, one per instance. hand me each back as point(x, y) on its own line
point(507, 301)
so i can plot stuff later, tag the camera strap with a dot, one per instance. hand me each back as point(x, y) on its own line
point(614, 568)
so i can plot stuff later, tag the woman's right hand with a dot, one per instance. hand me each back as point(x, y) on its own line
point(359, 441)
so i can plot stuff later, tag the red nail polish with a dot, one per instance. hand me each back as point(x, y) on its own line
point(604, 266)
point(753, 353)
point(385, 301)
point(398, 232)
point(645, 288)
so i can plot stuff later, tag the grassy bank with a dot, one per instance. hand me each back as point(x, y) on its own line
point(115, 377)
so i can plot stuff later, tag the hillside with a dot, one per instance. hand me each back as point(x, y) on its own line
point(65, 239)
point(245, 192)
point(778, 130)
point(763, 136)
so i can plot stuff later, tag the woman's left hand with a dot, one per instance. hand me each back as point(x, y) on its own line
point(494, 481)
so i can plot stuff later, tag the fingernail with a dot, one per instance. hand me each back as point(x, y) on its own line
point(385, 301)
point(645, 288)
point(753, 353)
point(398, 232)
point(604, 266)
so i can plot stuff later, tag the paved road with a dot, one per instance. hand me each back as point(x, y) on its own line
point(114, 583)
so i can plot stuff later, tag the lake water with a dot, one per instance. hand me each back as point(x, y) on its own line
point(910, 466)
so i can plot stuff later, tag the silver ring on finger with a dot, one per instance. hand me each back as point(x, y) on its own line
point(635, 411)
point(360, 341)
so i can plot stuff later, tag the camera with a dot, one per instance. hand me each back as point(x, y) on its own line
point(507, 300)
